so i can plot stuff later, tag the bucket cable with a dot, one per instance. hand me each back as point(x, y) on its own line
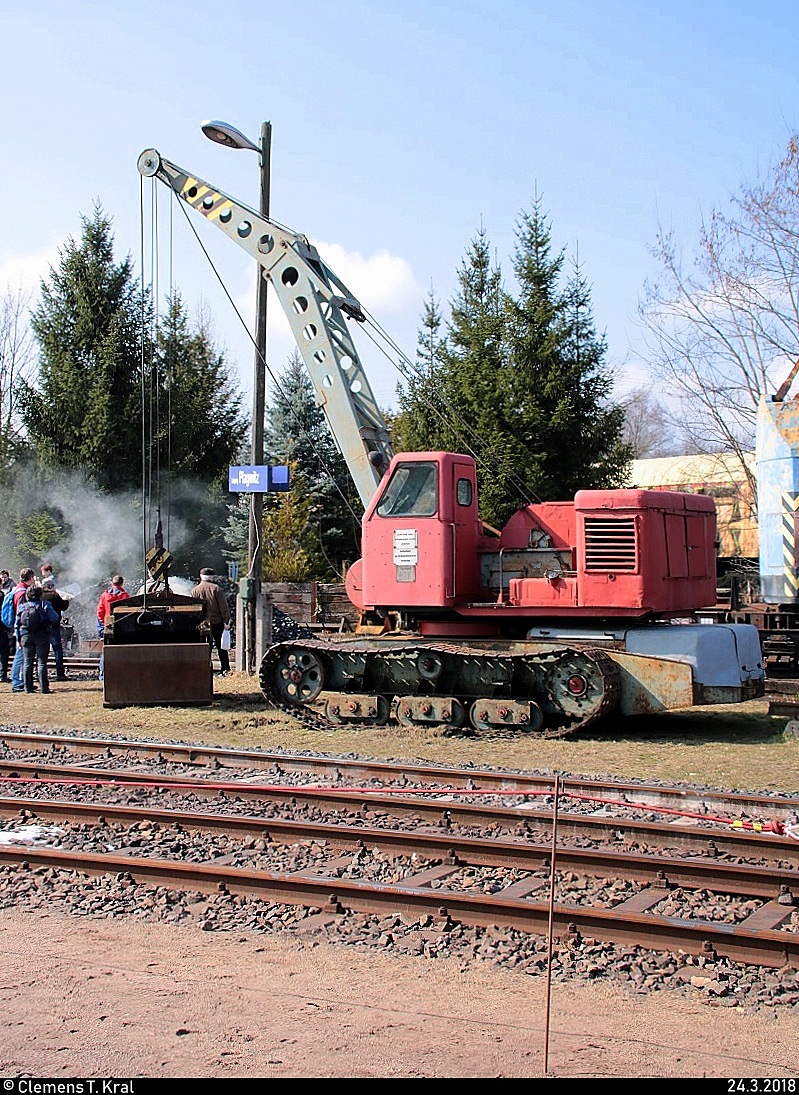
point(152, 380)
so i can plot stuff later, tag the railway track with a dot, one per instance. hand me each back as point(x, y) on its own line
point(704, 802)
point(427, 852)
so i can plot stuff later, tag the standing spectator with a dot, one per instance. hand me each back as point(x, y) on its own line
point(33, 626)
point(6, 633)
point(60, 604)
point(217, 612)
point(26, 580)
point(115, 592)
point(46, 571)
point(5, 652)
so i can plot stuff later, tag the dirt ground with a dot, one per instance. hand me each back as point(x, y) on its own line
point(108, 998)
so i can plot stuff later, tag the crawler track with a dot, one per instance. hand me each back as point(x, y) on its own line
point(495, 688)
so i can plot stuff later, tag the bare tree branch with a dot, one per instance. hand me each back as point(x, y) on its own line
point(723, 332)
point(17, 359)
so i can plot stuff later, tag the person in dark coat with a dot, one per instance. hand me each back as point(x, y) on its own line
point(26, 580)
point(60, 604)
point(33, 626)
point(217, 612)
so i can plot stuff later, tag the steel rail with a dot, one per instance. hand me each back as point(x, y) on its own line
point(570, 923)
point(443, 810)
point(648, 794)
point(664, 872)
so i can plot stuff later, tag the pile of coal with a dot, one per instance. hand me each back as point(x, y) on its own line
point(285, 627)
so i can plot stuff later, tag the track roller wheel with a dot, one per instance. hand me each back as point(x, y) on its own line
point(352, 710)
point(430, 711)
point(488, 715)
point(299, 675)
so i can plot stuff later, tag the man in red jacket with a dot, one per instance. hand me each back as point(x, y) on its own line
point(115, 592)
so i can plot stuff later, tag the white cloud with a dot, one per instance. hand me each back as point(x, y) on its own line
point(25, 272)
point(383, 283)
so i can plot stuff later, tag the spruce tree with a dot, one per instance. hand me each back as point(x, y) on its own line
point(195, 429)
point(127, 400)
point(602, 458)
point(296, 432)
point(419, 425)
point(83, 411)
point(558, 386)
point(520, 381)
point(477, 367)
point(198, 419)
point(457, 403)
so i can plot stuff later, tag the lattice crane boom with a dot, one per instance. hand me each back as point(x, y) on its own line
point(317, 305)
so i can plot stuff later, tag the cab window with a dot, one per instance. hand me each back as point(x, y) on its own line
point(412, 491)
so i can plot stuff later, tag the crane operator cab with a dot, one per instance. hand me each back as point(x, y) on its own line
point(420, 535)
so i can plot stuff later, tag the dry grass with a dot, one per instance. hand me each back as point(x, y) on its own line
point(727, 746)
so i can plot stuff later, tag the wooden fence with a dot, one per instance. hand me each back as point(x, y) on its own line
point(317, 605)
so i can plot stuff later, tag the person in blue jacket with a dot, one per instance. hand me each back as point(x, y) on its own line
point(33, 627)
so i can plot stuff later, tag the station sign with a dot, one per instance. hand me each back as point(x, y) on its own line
point(258, 478)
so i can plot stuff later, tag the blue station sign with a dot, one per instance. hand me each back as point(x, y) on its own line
point(258, 478)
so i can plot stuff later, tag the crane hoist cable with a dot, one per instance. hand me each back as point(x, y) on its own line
point(153, 428)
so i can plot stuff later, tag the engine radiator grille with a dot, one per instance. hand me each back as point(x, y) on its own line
point(610, 544)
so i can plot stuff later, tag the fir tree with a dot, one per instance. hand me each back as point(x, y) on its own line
point(84, 410)
point(199, 420)
point(520, 381)
point(196, 429)
point(558, 391)
point(418, 426)
point(602, 458)
point(477, 379)
point(296, 432)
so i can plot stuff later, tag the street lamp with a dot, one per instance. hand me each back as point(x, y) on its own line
point(228, 135)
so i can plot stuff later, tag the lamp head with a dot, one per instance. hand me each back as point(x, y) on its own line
point(228, 135)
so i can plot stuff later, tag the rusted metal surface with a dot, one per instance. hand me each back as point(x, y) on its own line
point(652, 685)
point(787, 708)
point(768, 917)
point(157, 673)
point(352, 769)
point(644, 900)
point(618, 827)
point(447, 852)
point(567, 922)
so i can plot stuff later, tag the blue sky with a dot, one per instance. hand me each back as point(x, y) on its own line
point(398, 129)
